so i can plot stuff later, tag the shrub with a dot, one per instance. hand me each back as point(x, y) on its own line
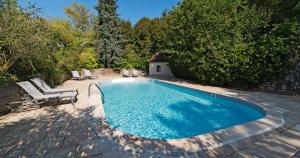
point(132, 59)
point(88, 59)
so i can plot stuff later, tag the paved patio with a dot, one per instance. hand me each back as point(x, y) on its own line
point(69, 131)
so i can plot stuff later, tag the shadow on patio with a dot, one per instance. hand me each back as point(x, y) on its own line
point(59, 133)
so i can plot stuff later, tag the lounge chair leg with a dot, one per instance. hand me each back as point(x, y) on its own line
point(72, 100)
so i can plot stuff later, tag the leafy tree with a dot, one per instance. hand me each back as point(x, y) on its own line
point(88, 59)
point(210, 41)
point(239, 43)
point(143, 37)
point(75, 47)
point(127, 32)
point(148, 39)
point(277, 52)
point(281, 9)
point(24, 38)
point(132, 59)
point(7, 3)
point(33, 46)
point(109, 37)
point(157, 31)
point(80, 16)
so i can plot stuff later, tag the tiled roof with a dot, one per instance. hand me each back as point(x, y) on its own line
point(157, 57)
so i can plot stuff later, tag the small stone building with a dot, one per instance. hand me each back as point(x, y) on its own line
point(158, 66)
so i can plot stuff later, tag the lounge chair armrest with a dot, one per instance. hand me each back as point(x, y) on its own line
point(60, 91)
point(71, 91)
point(51, 96)
point(67, 90)
point(53, 92)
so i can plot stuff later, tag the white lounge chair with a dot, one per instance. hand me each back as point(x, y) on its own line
point(75, 75)
point(125, 73)
point(87, 74)
point(40, 98)
point(41, 84)
point(135, 73)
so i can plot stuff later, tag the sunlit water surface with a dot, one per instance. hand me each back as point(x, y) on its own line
point(158, 110)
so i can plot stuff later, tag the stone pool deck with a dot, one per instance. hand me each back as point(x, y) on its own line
point(70, 131)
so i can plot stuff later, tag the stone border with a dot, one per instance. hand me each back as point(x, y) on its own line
point(209, 141)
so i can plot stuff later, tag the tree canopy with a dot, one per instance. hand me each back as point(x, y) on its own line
point(228, 43)
point(81, 17)
point(33, 46)
point(236, 43)
point(109, 34)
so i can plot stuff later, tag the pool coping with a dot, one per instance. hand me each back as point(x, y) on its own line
point(203, 142)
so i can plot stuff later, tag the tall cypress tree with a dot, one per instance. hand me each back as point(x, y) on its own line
point(109, 37)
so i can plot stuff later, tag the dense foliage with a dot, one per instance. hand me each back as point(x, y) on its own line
point(81, 17)
point(230, 43)
point(237, 43)
point(32, 46)
point(145, 38)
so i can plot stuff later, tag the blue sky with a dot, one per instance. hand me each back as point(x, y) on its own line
point(131, 10)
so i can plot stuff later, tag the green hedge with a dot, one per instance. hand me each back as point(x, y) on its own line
point(224, 43)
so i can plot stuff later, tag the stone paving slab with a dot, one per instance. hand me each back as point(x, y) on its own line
point(270, 149)
point(66, 152)
point(65, 131)
point(291, 119)
point(242, 154)
point(92, 148)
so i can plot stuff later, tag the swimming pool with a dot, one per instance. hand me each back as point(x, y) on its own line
point(159, 110)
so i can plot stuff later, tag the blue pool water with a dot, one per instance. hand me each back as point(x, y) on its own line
point(158, 110)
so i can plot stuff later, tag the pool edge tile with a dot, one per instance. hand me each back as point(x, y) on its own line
point(209, 141)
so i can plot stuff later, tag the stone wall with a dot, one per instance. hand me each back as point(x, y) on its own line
point(105, 72)
point(164, 69)
point(290, 81)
